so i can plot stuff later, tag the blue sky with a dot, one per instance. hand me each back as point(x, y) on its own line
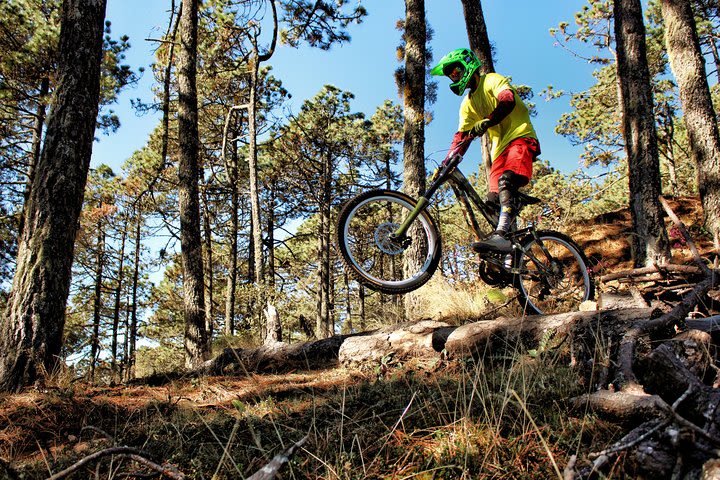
point(524, 50)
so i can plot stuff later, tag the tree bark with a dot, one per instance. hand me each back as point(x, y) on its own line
point(480, 44)
point(208, 258)
point(414, 126)
point(36, 149)
point(32, 328)
point(234, 227)
point(132, 334)
point(414, 98)
point(196, 341)
point(688, 66)
point(477, 33)
point(118, 296)
point(97, 299)
point(649, 243)
point(324, 319)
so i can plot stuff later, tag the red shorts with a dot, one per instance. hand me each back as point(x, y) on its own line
point(517, 157)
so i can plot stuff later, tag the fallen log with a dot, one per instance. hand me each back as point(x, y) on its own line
point(275, 357)
point(428, 339)
point(506, 334)
point(424, 339)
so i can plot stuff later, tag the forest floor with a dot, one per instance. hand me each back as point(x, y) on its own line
point(503, 417)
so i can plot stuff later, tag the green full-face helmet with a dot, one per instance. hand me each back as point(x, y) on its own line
point(459, 65)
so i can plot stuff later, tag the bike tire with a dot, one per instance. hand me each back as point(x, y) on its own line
point(367, 251)
point(552, 286)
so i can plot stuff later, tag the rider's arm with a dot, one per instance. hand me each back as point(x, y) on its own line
point(506, 103)
point(461, 140)
point(460, 144)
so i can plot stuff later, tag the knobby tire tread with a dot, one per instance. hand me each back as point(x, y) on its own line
point(345, 255)
point(560, 236)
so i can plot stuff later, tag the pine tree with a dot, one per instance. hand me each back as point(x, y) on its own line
point(649, 244)
point(480, 44)
point(31, 331)
point(688, 66)
point(196, 335)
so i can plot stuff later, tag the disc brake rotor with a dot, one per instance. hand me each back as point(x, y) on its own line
point(386, 242)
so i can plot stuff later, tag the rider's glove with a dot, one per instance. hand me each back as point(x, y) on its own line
point(479, 129)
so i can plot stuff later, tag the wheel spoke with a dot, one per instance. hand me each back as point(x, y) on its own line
point(366, 228)
point(552, 275)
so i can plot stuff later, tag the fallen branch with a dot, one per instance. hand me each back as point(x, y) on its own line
point(648, 327)
point(663, 270)
point(686, 235)
point(269, 471)
point(126, 452)
point(707, 324)
point(630, 409)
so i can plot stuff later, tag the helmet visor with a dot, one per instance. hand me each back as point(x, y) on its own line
point(454, 71)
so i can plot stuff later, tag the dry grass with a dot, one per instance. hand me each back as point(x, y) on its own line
point(500, 418)
point(458, 303)
point(495, 418)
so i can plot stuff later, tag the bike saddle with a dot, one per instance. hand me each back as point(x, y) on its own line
point(526, 199)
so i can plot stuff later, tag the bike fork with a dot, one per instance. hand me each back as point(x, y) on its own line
point(402, 230)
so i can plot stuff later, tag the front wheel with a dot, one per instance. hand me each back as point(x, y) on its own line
point(373, 255)
point(552, 274)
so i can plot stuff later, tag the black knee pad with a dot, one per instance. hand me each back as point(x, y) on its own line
point(493, 198)
point(508, 184)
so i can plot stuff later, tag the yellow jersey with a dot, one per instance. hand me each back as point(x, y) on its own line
point(478, 104)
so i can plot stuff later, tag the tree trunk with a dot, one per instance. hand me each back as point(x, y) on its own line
point(270, 277)
point(167, 81)
point(196, 344)
point(688, 66)
point(273, 325)
point(666, 142)
point(116, 308)
point(710, 13)
point(208, 257)
point(362, 312)
point(256, 221)
point(259, 274)
point(480, 44)
point(324, 320)
point(348, 303)
point(132, 334)
point(31, 330)
point(716, 56)
point(477, 33)
point(234, 227)
point(125, 364)
point(414, 98)
point(36, 148)
point(253, 174)
point(414, 127)
point(97, 299)
point(649, 242)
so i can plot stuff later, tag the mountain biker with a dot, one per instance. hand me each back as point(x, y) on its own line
point(492, 106)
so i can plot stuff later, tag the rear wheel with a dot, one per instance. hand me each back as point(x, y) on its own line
point(373, 255)
point(552, 274)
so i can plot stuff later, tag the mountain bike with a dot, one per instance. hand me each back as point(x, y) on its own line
point(391, 243)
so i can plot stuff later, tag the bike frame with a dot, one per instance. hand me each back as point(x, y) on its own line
point(464, 192)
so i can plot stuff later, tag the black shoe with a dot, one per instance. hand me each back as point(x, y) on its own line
point(494, 243)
